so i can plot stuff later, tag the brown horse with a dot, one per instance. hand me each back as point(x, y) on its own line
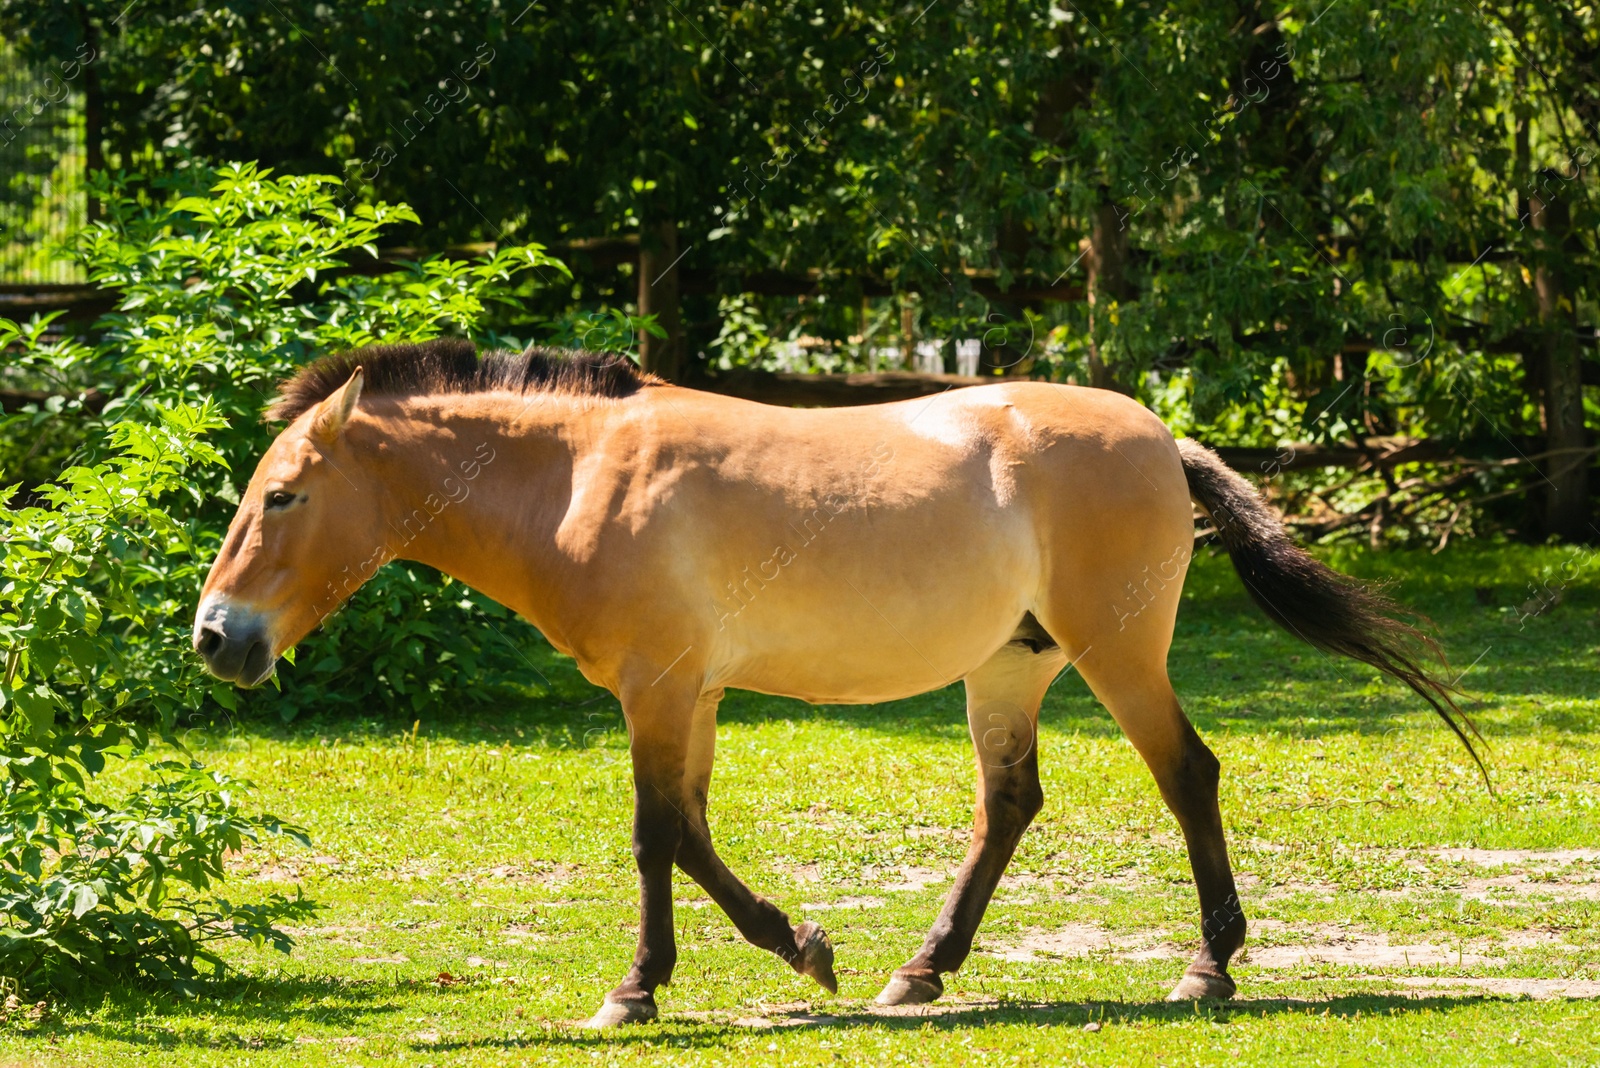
point(676, 543)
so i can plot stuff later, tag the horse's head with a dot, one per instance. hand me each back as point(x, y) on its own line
point(307, 533)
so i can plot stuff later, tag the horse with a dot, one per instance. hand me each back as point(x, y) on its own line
point(676, 543)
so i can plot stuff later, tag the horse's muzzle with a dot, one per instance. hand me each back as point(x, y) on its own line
point(234, 643)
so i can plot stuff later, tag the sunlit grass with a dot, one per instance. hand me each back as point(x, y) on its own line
point(480, 896)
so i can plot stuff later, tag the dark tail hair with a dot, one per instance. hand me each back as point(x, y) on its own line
point(1317, 604)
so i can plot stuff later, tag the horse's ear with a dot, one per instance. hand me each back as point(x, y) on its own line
point(337, 408)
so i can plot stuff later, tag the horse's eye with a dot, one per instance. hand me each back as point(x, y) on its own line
point(280, 499)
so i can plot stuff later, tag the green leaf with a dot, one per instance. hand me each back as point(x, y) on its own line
point(38, 705)
point(84, 898)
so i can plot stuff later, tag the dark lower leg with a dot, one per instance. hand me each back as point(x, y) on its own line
point(761, 922)
point(657, 834)
point(1010, 799)
point(805, 949)
point(1190, 790)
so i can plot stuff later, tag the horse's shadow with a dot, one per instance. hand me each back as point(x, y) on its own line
point(699, 1032)
point(230, 1013)
point(227, 1013)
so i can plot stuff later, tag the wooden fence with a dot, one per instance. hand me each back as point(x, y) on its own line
point(82, 303)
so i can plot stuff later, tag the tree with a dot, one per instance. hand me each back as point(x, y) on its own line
point(1303, 222)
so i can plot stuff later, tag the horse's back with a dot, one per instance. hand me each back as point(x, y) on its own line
point(1063, 456)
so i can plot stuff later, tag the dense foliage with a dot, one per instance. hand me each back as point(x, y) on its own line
point(1283, 221)
point(223, 291)
point(98, 882)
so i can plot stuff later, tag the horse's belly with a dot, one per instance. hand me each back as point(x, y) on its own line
point(866, 646)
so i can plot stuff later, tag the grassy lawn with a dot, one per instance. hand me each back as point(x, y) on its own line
point(480, 894)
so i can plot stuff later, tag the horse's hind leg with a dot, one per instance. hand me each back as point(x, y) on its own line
point(1132, 683)
point(1003, 698)
point(763, 924)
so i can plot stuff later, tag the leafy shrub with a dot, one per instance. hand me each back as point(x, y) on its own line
point(86, 883)
point(222, 294)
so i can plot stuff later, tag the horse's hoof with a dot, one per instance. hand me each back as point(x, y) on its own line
point(910, 990)
point(815, 956)
point(1194, 987)
point(618, 1013)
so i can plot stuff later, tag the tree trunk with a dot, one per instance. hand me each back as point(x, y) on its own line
point(1108, 287)
point(658, 296)
point(1566, 499)
point(1533, 360)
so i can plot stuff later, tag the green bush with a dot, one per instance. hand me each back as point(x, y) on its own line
point(223, 292)
point(97, 885)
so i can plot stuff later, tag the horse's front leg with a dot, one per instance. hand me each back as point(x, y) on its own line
point(659, 719)
point(806, 949)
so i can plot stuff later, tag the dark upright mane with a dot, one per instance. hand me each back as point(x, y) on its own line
point(454, 366)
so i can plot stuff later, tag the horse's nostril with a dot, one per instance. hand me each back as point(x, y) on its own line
point(210, 641)
point(233, 643)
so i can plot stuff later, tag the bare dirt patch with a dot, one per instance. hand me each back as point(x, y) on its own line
point(1512, 877)
point(1531, 988)
point(530, 874)
point(1290, 947)
point(908, 879)
point(1360, 950)
point(514, 934)
point(802, 873)
point(1535, 858)
point(276, 873)
point(851, 902)
point(1524, 875)
point(1078, 889)
point(1518, 889)
point(1089, 939)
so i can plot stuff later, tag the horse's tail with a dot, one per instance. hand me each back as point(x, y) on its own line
point(1317, 604)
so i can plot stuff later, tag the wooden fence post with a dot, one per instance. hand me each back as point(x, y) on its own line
point(659, 296)
point(1108, 284)
point(1566, 499)
point(93, 115)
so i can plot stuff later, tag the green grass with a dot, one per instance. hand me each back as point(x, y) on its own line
point(480, 895)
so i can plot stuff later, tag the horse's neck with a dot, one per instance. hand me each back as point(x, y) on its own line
point(477, 490)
